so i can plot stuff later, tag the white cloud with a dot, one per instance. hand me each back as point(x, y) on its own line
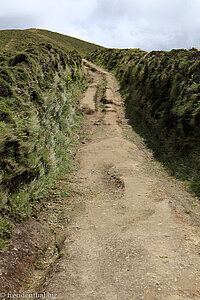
point(148, 24)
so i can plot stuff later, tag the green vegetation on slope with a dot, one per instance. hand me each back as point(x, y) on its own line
point(40, 77)
point(20, 40)
point(162, 97)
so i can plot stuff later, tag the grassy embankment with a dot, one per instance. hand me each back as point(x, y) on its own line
point(162, 97)
point(40, 77)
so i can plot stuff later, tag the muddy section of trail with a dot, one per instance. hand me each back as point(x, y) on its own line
point(137, 236)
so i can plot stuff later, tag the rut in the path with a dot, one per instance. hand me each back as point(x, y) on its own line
point(132, 240)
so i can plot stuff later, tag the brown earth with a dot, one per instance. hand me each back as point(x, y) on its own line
point(136, 234)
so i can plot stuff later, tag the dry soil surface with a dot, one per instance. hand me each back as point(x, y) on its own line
point(137, 236)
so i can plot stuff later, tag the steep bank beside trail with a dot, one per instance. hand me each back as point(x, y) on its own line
point(162, 97)
point(41, 79)
point(38, 89)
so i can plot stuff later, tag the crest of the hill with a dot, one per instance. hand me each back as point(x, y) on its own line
point(20, 39)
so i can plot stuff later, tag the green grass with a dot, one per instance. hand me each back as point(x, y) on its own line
point(41, 76)
point(21, 39)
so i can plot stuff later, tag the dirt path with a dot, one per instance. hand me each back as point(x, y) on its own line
point(9, 43)
point(133, 240)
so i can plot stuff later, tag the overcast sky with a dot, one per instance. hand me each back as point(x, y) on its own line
point(145, 24)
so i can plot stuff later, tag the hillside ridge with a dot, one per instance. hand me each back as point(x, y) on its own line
point(20, 39)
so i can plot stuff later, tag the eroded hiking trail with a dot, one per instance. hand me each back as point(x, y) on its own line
point(133, 239)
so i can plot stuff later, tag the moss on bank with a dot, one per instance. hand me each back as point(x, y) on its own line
point(38, 89)
point(162, 97)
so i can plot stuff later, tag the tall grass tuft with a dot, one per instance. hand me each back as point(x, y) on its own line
point(38, 89)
